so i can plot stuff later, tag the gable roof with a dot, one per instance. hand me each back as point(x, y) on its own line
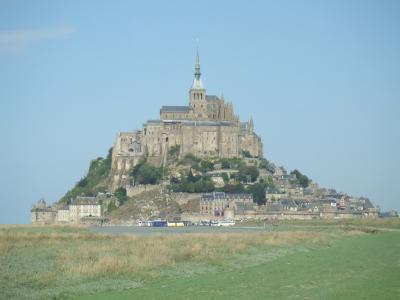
point(175, 109)
point(211, 97)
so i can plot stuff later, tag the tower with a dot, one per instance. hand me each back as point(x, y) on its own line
point(197, 93)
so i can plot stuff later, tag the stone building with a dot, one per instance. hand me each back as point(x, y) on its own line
point(79, 208)
point(83, 207)
point(41, 214)
point(217, 204)
point(207, 127)
point(63, 214)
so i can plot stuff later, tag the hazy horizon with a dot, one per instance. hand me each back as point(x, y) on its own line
point(321, 81)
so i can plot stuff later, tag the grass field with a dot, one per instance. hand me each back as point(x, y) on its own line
point(339, 261)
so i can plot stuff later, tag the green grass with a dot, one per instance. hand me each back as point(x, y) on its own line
point(356, 267)
point(331, 223)
point(288, 261)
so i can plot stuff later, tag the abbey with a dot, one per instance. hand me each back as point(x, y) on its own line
point(207, 127)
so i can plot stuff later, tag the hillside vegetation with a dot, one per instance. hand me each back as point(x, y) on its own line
point(187, 174)
point(96, 180)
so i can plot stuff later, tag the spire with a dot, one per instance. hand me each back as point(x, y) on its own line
point(197, 83)
point(197, 72)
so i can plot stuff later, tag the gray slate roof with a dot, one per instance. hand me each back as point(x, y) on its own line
point(85, 201)
point(211, 97)
point(222, 196)
point(175, 109)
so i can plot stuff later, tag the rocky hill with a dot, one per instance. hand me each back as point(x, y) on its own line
point(168, 191)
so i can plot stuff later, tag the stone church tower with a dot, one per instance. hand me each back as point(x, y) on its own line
point(197, 94)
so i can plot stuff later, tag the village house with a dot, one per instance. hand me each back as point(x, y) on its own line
point(216, 204)
point(84, 207)
point(81, 207)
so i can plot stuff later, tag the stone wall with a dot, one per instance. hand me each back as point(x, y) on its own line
point(43, 216)
point(138, 189)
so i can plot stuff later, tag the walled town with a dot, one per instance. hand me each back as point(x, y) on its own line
point(195, 163)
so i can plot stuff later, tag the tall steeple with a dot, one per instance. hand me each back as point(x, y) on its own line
point(197, 93)
point(197, 83)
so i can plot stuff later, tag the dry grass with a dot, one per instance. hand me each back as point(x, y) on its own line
point(42, 262)
point(90, 254)
point(377, 222)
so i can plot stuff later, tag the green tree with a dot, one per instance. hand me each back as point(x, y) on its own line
point(233, 188)
point(246, 173)
point(144, 173)
point(231, 163)
point(246, 153)
point(225, 177)
point(94, 181)
point(83, 182)
point(301, 179)
point(206, 166)
point(270, 182)
point(174, 151)
point(121, 195)
point(191, 177)
point(225, 163)
point(258, 192)
point(265, 164)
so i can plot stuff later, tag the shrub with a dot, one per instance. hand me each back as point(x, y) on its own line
point(120, 193)
point(92, 183)
point(225, 177)
point(231, 163)
point(147, 174)
point(301, 179)
point(191, 160)
point(265, 164)
point(194, 184)
point(246, 173)
point(246, 153)
point(206, 166)
point(174, 150)
point(258, 191)
point(233, 188)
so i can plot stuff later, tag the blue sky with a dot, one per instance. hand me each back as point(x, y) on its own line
point(320, 78)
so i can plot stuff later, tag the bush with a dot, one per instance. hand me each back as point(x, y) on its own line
point(301, 179)
point(246, 153)
point(111, 207)
point(225, 177)
point(270, 183)
point(246, 173)
point(174, 151)
point(231, 163)
point(233, 188)
point(206, 166)
point(258, 192)
point(94, 181)
point(194, 184)
point(191, 160)
point(265, 164)
point(144, 173)
point(83, 182)
point(120, 193)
